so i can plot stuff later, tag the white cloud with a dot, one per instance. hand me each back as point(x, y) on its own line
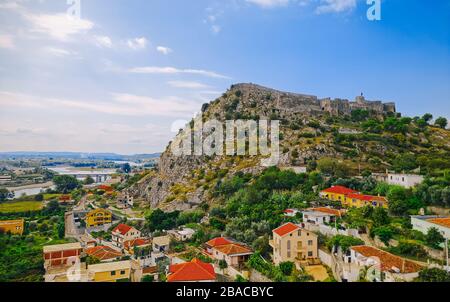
point(269, 3)
point(59, 26)
point(335, 6)
point(59, 52)
point(122, 104)
point(173, 70)
point(103, 41)
point(137, 43)
point(188, 85)
point(164, 50)
point(7, 41)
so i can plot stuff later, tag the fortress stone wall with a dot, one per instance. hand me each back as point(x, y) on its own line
point(293, 102)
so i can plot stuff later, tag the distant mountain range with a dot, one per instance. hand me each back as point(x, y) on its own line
point(78, 155)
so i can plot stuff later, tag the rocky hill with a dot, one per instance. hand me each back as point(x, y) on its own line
point(360, 136)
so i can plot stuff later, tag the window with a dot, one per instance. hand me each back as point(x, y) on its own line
point(122, 272)
point(113, 273)
point(289, 245)
point(310, 242)
point(310, 254)
point(289, 254)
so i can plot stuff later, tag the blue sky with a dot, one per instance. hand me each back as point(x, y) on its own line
point(116, 79)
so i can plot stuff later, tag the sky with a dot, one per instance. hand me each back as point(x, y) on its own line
point(116, 76)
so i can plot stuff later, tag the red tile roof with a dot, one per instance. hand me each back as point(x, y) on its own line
point(366, 197)
point(339, 190)
point(122, 229)
point(286, 229)
point(441, 221)
point(233, 249)
point(388, 261)
point(105, 188)
point(195, 270)
point(136, 242)
point(65, 197)
point(103, 253)
point(218, 241)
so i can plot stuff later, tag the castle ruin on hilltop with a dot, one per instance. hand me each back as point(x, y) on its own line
point(293, 102)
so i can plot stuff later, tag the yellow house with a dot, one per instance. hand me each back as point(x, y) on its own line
point(336, 193)
point(110, 272)
point(98, 217)
point(360, 200)
point(15, 227)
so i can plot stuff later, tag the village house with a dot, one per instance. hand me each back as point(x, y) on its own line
point(194, 271)
point(65, 199)
point(351, 198)
point(104, 253)
point(110, 271)
point(62, 254)
point(424, 223)
point(161, 244)
point(380, 266)
point(130, 245)
point(98, 217)
point(321, 216)
point(14, 227)
point(400, 179)
point(123, 233)
point(216, 242)
point(234, 254)
point(291, 212)
point(182, 235)
point(292, 243)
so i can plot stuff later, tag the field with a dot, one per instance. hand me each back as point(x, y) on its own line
point(20, 206)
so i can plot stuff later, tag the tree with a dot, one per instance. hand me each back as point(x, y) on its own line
point(148, 278)
point(434, 238)
point(441, 122)
point(433, 275)
point(126, 168)
point(385, 234)
point(39, 197)
point(287, 268)
point(3, 194)
point(398, 201)
point(88, 180)
point(380, 217)
point(427, 117)
point(66, 183)
point(61, 230)
point(405, 162)
point(223, 265)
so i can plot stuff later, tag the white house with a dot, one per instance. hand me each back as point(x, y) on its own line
point(378, 265)
point(161, 244)
point(424, 223)
point(404, 180)
point(183, 234)
point(123, 233)
point(320, 216)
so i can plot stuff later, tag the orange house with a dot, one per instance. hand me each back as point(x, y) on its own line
point(60, 254)
point(12, 226)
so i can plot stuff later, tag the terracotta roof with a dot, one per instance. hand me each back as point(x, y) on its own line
point(103, 253)
point(441, 221)
point(339, 190)
point(388, 260)
point(327, 211)
point(136, 242)
point(150, 270)
point(195, 270)
point(286, 229)
point(233, 249)
point(105, 188)
point(218, 241)
point(65, 197)
point(122, 229)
